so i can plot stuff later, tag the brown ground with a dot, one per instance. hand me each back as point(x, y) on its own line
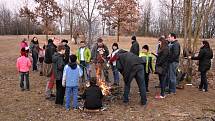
point(188, 105)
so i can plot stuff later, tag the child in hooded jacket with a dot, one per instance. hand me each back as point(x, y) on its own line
point(23, 65)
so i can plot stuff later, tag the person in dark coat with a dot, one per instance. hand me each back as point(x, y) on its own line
point(67, 50)
point(131, 66)
point(34, 49)
point(135, 46)
point(174, 54)
point(99, 56)
point(162, 62)
point(48, 68)
point(205, 55)
point(93, 96)
point(58, 66)
point(49, 51)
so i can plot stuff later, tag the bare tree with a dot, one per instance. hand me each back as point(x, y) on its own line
point(87, 12)
point(48, 11)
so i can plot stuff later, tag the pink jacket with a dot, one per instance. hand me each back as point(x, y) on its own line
point(23, 45)
point(23, 64)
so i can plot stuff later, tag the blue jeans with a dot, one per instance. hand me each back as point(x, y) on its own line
point(74, 92)
point(172, 76)
point(115, 75)
point(24, 76)
point(140, 79)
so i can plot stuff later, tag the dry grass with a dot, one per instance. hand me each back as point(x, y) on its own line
point(188, 105)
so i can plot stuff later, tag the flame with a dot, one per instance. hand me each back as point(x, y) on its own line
point(101, 82)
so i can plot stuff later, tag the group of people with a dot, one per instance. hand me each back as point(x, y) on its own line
point(65, 69)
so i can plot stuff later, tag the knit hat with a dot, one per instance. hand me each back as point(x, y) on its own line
point(66, 41)
point(133, 38)
point(50, 41)
point(145, 47)
point(73, 58)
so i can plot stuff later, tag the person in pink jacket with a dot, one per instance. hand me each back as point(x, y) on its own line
point(23, 43)
point(23, 65)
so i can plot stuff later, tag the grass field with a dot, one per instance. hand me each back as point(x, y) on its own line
point(188, 104)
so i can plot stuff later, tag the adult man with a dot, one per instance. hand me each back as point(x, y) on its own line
point(131, 66)
point(48, 69)
point(174, 53)
point(99, 57)
point(83, 57)
point(135, 46)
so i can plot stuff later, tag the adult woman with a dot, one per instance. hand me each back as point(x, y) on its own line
point(34, 49)
point(162, 65)
point(205, 55)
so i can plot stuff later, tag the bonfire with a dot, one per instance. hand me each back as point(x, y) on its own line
point(101, 82)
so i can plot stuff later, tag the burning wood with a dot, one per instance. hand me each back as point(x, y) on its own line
point(101, 82)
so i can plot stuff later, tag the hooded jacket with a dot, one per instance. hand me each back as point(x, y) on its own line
point(71, 74)
point(135, 47)
point(58, 65)
point(49, 52)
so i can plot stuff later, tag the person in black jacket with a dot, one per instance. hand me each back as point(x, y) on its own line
point(48, 69)
point(67, 50)
point(58, 66)
point(162, 62)
point(135, 46)
point(132, 66)
point(34, 49)
point(93, 96)
point(174, 54)
point(205, 55)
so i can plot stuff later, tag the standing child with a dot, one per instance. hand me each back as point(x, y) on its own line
point(71, 75)
point(149, 66)
point(41, 58)
point(23, 65)
point(112, 60)
point(58, 65)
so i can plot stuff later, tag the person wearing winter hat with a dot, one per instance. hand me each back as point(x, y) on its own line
point(23, 65)
point(70, 80)
point(99, 58)
point(48, 68)
point(135, 46)
point(112, 61)
point(148, 57)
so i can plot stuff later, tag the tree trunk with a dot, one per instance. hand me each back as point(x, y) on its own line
point(28, 28)
point(172, 17)
point(118, 30)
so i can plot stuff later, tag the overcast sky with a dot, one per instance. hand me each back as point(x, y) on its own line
point(16, 4)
